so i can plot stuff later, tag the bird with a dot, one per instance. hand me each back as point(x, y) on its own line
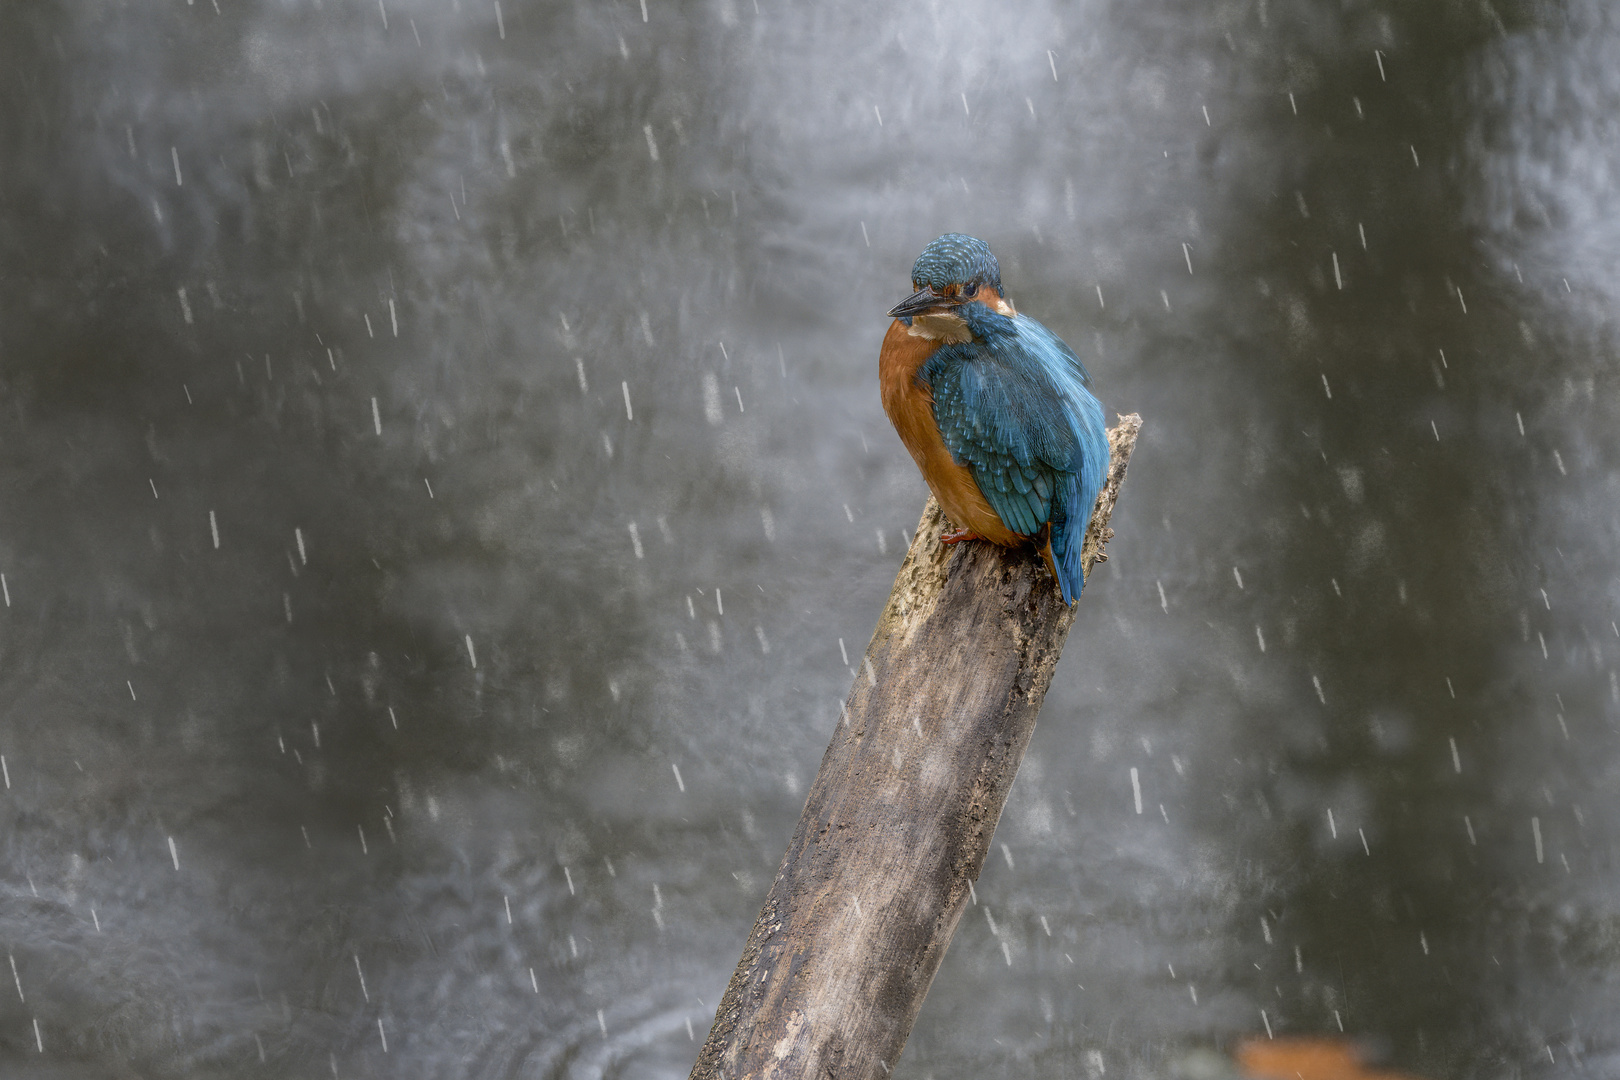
point(995, 409)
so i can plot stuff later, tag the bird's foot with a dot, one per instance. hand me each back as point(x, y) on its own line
point(958, 535)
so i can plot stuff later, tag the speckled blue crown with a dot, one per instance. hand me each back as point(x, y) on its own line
point(956, 259)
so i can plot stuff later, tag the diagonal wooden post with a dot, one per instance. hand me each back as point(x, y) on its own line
point(900, 816)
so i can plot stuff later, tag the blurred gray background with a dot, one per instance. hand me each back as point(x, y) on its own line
point(443, 493)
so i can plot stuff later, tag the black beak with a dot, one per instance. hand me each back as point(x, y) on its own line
point(920, 303)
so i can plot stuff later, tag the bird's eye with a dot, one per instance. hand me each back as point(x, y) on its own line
point(971, 289)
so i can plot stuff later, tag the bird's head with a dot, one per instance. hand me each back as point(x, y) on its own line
point(953, 270)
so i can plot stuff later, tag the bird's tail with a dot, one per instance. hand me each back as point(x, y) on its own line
point(1068, 537)
point(1071, 517)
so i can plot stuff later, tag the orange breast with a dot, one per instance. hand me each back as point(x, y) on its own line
point(911, 410)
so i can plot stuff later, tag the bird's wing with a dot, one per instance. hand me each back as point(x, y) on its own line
point(1053, 346)
point(1005, 418)
point(1014, 408)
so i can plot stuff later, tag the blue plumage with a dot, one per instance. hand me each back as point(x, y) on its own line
point(1012, 402)
point(954, 259)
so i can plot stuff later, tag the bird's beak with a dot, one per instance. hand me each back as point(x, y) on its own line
point(920, 303)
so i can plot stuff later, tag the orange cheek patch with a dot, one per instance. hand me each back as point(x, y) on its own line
point(993, 300)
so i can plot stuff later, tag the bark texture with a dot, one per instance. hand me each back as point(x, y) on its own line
point(901, 813)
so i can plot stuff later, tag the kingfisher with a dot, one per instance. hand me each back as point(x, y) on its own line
point(995, 409)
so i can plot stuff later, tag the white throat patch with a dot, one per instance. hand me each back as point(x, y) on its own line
point(943, 326)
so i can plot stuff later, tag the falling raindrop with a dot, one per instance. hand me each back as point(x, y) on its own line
point(711, 398)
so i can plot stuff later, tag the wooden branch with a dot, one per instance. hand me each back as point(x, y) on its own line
point(900, 816)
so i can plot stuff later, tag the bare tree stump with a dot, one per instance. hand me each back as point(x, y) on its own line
point(900, 816)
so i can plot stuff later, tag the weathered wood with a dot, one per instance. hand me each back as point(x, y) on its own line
point(901, 814)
